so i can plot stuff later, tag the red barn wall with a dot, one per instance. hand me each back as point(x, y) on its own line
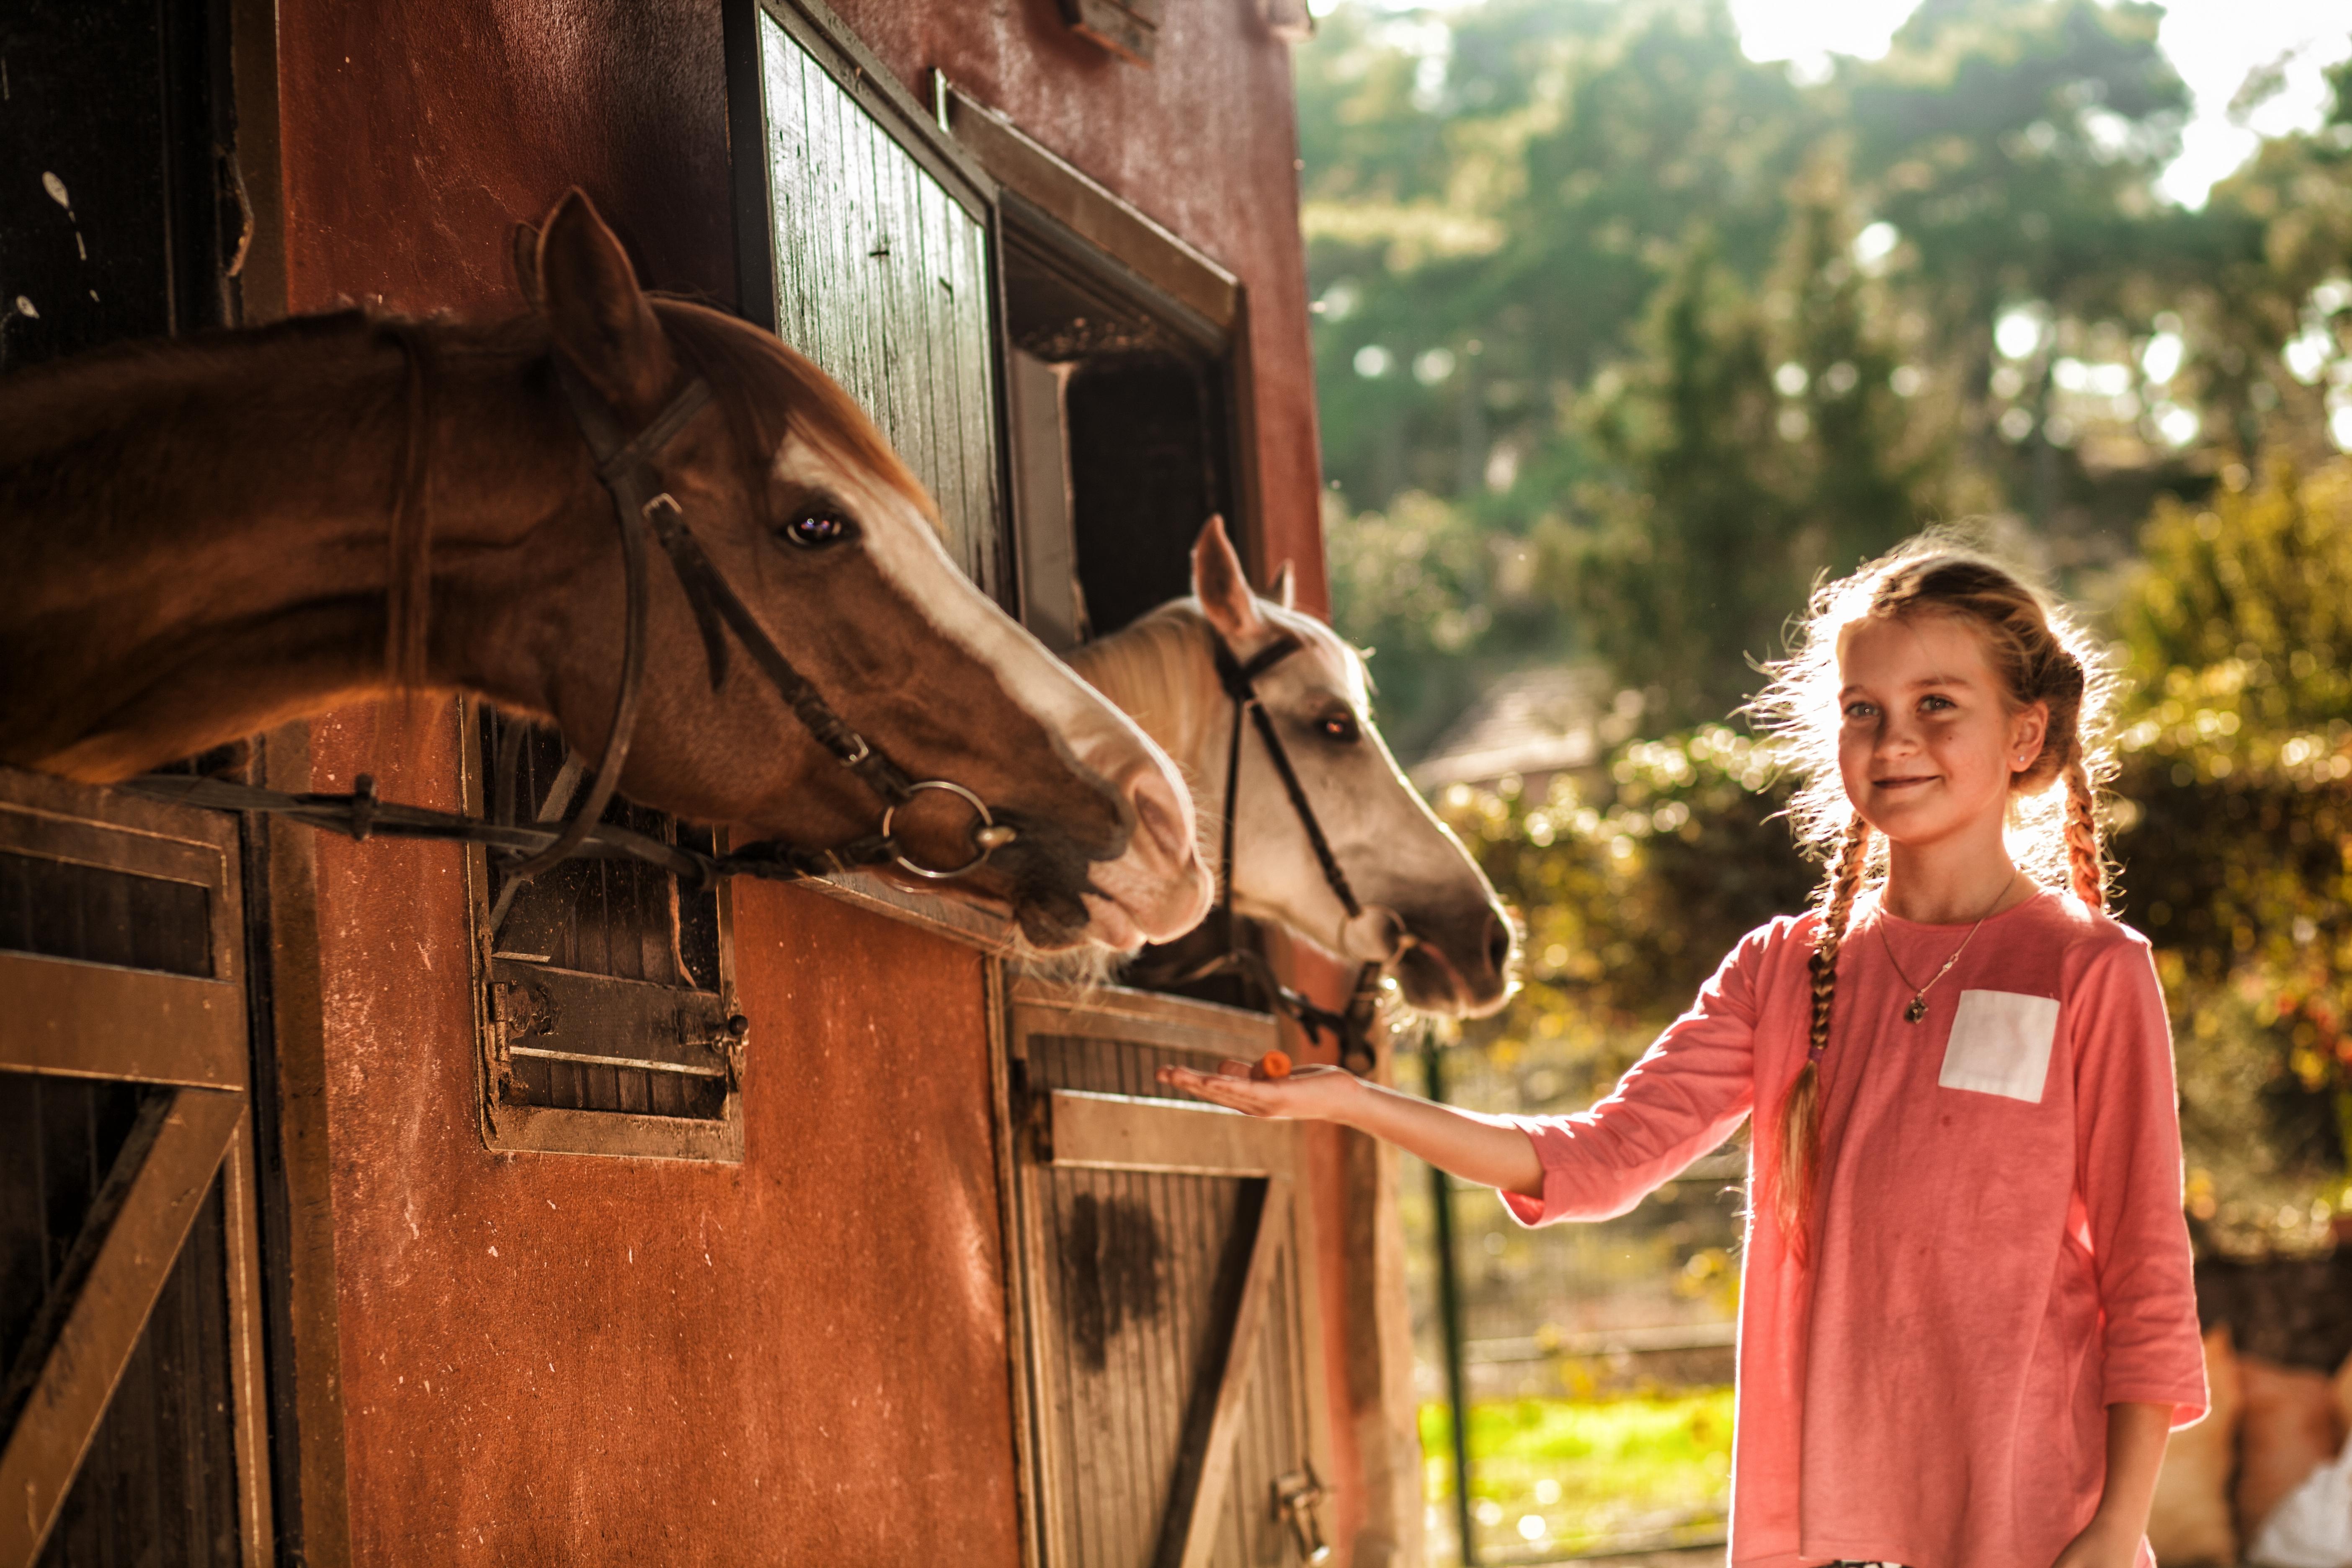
point(801, 1359)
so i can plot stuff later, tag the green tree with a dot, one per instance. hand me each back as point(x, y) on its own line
point(2237, 838)
point(1562, 250)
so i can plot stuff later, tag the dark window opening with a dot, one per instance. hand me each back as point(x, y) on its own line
point(118, 209)
point(1147, 469)
point(1130, 391)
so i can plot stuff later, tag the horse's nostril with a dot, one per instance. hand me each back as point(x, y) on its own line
point(1498, 941)
point(1159, 819)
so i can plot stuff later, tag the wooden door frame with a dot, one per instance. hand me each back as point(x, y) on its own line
point(185, 1035)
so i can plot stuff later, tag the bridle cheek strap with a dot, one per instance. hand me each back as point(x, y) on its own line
point(1351, 1028)
point(1240, 681)
point(626, 468)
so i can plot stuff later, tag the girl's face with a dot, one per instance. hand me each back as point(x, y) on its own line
point(1927, 740)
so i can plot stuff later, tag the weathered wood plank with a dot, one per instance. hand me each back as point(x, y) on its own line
point(1114, 1133)
point(881, 280)
point(1145, 1017)
point(92, 1020)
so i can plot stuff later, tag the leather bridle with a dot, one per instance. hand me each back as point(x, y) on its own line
point(1350, 1028)
point(627, 467)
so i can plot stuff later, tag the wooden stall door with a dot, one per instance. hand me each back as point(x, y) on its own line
point(1176, 1392)
point(129, 1278)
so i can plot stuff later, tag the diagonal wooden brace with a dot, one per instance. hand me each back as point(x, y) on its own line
point(107, 1315)
point(1210, 1463)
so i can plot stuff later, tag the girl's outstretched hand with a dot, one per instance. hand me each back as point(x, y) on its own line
point(1490, 1150)
point(1307, 1094)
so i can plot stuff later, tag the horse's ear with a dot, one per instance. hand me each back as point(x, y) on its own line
point(599, 316)
point(522, 253)
point(1221, 586)
point(1285, 587)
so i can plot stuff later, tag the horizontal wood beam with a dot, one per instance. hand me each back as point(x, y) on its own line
point(1119, 1132)
point(1021, 164)
point(1144, 1018)
point(94, 1020)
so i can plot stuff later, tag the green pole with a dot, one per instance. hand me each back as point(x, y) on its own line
point(1449, 1316)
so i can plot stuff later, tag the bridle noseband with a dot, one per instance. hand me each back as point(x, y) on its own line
point(626, 466)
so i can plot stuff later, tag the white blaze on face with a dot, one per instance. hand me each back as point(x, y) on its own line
point(1159, 887)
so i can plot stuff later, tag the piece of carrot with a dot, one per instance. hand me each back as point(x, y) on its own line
point(1272, 1066)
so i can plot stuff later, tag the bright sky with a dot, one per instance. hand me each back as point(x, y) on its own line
point(2213, 44)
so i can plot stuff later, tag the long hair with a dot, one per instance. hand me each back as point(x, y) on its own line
point(2039, 654)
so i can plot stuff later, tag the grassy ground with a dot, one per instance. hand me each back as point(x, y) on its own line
point(1555, 1476)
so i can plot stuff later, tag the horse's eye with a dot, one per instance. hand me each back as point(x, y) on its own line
point(816, 530)
point(1340, 728)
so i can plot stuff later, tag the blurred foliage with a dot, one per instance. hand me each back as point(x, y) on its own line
point(2237, 840)
point(1668, 332)
point(1634, 888)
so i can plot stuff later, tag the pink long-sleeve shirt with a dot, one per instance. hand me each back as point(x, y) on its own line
point(1998, 1249)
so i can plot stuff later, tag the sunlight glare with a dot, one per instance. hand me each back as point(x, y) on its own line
point(2213, 44)
point(2017, 334)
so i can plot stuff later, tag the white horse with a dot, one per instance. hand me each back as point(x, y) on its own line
point(1425, 911)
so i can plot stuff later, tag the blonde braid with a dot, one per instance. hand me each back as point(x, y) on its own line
point(1801, 1113)
point(2086, 866)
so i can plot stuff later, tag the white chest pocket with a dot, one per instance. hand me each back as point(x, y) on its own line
point(2000, 1045)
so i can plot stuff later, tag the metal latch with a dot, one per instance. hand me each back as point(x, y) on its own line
point(728, 1045)
point(1295, 1497)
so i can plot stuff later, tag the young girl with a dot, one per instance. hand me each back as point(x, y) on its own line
point(1967, 1320)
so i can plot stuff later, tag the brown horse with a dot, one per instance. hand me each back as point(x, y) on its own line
point(207, 537)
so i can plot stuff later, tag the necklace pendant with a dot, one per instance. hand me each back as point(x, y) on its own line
point(1916, 1011)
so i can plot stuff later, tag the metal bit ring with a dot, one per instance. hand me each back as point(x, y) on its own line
point(987, 833)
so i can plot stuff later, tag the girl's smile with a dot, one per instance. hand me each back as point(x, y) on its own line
point(1926, 744)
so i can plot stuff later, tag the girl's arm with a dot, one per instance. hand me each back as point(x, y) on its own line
point(1481, 1149)
point(2128, 1173)
point(1684, 1096)
point(2135, 1438)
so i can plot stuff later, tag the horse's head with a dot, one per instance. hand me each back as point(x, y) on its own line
point(819, 527)
point(1428, 911)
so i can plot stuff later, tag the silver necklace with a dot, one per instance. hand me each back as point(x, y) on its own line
point(1918, 1008)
